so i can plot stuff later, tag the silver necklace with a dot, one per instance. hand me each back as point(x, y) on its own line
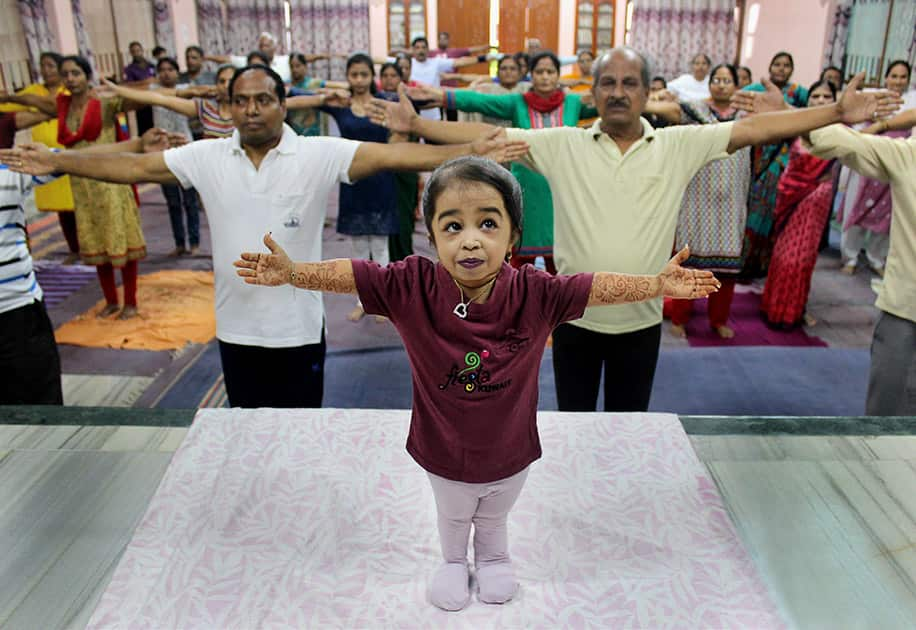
point(461, 308)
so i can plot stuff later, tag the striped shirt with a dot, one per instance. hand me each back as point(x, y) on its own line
point(18, 285)
point(215, 126)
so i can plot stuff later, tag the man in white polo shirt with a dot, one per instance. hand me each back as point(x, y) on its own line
point(264, 178)
point(428, 70)
point(616, 190)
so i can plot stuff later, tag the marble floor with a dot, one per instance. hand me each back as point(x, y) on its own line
point(829, 520)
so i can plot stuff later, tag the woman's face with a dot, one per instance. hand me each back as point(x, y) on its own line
point(834, 77)
point(781, 70)
point(390, 80)
point(297, 69)
point(586, 60)
point(821, 95)
point(222, 85)
point(50, 73)
point(359, 76)
point(700, 67)
point(508, 73)
point(74, 78)
point(744, 78)
point(544, 76)
point(897, 79)
point(404, 65)
point(721, 85)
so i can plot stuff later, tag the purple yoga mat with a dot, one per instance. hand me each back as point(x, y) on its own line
point(748, 324)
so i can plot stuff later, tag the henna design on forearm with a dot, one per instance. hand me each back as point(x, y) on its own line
point(618, 288)
point(335, 276)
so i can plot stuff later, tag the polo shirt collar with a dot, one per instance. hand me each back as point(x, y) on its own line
point(287, 145)
point(648, 131)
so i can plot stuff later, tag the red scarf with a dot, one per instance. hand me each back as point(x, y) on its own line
point(90, 127)
point(544, 104)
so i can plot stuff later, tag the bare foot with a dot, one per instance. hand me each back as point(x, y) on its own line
point(849, 269)
point(380, 319)
point(194, 251)
point(357, 313)
point(725, 332)
point(72, 258)
point(810, 320)
point(110, 309)
point(678, 331)
point(178, 251)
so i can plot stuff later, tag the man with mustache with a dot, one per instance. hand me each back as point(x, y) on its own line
point(616, 188)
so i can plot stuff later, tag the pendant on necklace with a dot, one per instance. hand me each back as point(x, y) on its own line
point(461, 310)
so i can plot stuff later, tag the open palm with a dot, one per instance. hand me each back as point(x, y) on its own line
point(678, 282)
point(271, 269)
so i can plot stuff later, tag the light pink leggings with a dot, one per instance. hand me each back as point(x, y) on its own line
point(487, 506)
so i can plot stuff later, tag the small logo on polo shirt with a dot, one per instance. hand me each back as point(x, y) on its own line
point(473, 377)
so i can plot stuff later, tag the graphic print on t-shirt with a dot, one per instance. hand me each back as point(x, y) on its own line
point(473, 377)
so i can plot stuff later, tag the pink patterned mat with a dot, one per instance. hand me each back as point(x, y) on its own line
point(320, 519)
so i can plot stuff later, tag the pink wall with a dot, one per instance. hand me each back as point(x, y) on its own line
point(61, 19)
point(184, 23)
point(799, 27)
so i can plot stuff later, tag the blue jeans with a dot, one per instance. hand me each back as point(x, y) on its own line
point(177, 199)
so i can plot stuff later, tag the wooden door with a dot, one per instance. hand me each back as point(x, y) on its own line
point(467, 23)
point(523, 19)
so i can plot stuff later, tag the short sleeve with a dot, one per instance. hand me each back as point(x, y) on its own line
point(185, 162)
point(562, 297)
point(386, 290)
point(335, 155)
point(694, 146)
point(542, 146)
point(445, 64)
point(238, 61)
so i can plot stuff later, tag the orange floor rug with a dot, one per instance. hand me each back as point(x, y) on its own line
point(176, 308)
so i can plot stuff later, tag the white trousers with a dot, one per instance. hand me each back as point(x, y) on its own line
point(487, 506)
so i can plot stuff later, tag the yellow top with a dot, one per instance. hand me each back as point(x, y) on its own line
point(56, 195)
point(618, 212)
point(891, 160)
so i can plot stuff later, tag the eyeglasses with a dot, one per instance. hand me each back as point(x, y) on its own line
point(718, 81)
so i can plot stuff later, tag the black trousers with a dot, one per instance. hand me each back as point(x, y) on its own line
point(628, 360)
point(29, 363)
point(273, 377)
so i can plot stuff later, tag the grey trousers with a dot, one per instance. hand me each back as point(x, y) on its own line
point(892, 377)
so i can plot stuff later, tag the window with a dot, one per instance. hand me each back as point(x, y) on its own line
point(406, 20)
point(594, 25)
point(14, 56)
point(879, 32)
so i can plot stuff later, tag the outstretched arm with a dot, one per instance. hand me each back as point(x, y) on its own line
point(46, 104)
point(900, 122)
point(24, 120)
point(149, 97)
point(673, 281)
point(276, 268)
point(853, 107)
point(371, 157)
point(95, 163)
point(401, 117)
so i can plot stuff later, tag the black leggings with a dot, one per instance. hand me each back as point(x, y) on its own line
point(273, 377)
point(628, 359)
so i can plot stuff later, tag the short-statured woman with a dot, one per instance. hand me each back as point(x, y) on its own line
point(802, 210)
point(768, 163)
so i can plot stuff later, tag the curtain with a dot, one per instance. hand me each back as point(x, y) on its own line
point(835, 52)
point(210, 27)
point(246, 19)
point(162, 23)
point(35, 27)
point(83, 44)
point(335, 26)
point(671, 32)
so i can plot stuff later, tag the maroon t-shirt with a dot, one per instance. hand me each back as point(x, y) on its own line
point(7, 130)
point(475, 380)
